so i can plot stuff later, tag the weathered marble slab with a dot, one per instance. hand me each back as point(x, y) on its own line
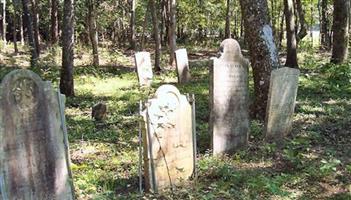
point(168, 141)
point(182, 62)
point(281, 102)
point(229, 118)
point(144, 68)
point(33, 146)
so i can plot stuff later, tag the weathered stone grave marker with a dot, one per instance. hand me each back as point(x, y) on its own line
point(144, 68)
point(229, 118)
point(182, 62)
point(281, 102)
point(33, 143)
point(168, 140)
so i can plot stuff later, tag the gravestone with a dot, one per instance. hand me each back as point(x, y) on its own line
point(281, 102)
point(33, 144)
point(229, 118)
point(182, 62)
point(167, 139)
point(144, 68)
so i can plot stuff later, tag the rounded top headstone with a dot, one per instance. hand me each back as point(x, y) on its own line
point(230, 50)
point(164, 89)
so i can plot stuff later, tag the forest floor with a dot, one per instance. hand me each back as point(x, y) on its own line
point(314, 162)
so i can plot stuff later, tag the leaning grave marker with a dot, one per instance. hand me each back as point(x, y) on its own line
point(182, 62)
point(33, 146)
point(281, 102)
point(167, 139)
point(229, 117)
point(144, 68)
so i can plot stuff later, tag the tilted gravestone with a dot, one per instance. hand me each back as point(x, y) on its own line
point(144, 68)
point(182, 62)
point(167, 139)
point(33, 147)
point(281, 102)
point(229, 118)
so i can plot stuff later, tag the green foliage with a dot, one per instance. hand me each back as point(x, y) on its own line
point(338, 75)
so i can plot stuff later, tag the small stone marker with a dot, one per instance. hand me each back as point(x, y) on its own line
point(33, 146)
point(182, 62)
point(168, 140)
point(229, 118)
point(281, 102)
point(144, 68)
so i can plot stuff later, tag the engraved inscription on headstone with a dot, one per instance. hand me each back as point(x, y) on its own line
point(168, 144)
point(281, 102)
point(182, 62)
point(144, 68)
point(33, 151)
point(229, 118)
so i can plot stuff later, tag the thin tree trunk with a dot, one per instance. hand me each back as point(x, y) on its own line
point(29, 24)
point(156, 35)
point(14, 26)
point(262, 50)
point(227, 20)
point(21, 29)
point(340, 31)
point(303, 24)
point(93, 31)
point(324, 32)
point(4, 22)
point(281, 31)
point(66, 81)
point(35, 18)
point(54, 22)
point(172, 32)
point(291, 57)
point(132, 25)
point(142, 45)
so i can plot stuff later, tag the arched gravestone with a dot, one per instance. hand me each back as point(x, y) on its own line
point(168, 141)
point(33, 147)
point(229, 118)
point(144, 68)
point(281, 102)
point(182, 62)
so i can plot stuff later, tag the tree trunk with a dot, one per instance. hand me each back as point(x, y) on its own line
point(143, 38)
point(262, 50)
point(172, 32)
point(29, 24)
point(227, 21)
point(340, 31)
point(54, 22)
point(4, 22)
point(66, 81)
point(291, 57)
point(132, 25)
point(324, 32)
point(93, 31)
point(281, 31)
point(35, 18)
point(14, 25)
point(21, 28)
point(303, 24)
point(156, 35)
